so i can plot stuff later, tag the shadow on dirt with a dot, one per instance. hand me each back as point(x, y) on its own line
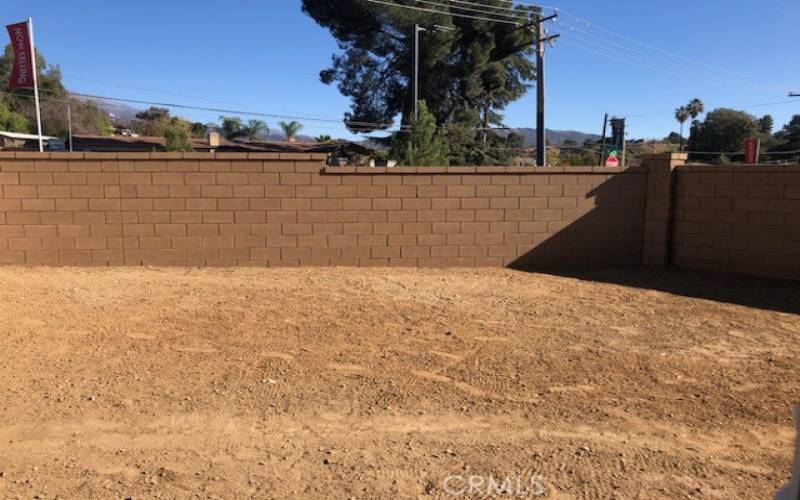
point(605, 245)
point(761, 293)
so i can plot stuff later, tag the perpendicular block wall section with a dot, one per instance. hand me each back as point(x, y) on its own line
point(660, 196)
point(743, 219)
point(195, 209)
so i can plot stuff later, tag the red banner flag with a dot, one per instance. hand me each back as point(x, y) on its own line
point(751, 150)
point(22, 70)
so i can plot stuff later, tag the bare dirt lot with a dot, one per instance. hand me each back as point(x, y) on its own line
point(362, 383)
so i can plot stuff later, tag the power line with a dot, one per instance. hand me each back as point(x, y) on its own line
point(454, 14)
point(627, 61)
point(716, 77)
point(379, 126)
point(629, 39)
point(744, 106)
point(487, 6)
point(154, 91)
point(472, 9)
point(741, 152)
point(667, 70)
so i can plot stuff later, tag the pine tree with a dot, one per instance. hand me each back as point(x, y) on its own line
point(423, 144)
point(468, 74)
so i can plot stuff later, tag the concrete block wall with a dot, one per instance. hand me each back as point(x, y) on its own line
point(197, 209)
point(743, 219)
point(659, 210)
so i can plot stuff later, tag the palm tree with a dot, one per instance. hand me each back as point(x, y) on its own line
point(231, 127)
point(254, 128)
point(324, 138)
point(682, 114)
point(291, 129)
point(696, 107)
point(199, 129)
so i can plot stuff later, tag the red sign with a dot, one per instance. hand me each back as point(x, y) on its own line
point(22, 70)
point(751, 150)
point(612, 161)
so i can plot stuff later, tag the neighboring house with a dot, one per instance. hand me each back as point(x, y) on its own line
point(15, 141)
point(147, 144)
point(339, 153)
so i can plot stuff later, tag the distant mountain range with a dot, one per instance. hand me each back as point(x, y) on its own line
point(556, 137)
point(117, 111)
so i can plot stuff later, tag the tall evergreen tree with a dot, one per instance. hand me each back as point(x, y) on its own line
point(788, 140)
point(765, 124)
point(467, 75)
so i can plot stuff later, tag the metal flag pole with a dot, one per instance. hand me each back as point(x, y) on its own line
point(35, 87)
point(69, 125)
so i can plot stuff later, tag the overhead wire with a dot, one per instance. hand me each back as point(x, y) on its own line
point(155, 91)
point(590, 24)
point(515, 17)
point(378, 126)
point(487, 6)
point(453, 14)
point(623, 50)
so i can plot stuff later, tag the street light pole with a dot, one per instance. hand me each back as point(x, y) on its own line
point(417, 30)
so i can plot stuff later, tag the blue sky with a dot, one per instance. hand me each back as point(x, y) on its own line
point(265, 56)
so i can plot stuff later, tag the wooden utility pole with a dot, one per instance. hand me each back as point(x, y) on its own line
point(603, 146)
point(541, 38)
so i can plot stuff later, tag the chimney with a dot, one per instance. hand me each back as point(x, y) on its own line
point(213, 139)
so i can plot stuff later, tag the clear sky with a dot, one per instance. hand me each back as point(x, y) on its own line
point(265, 56)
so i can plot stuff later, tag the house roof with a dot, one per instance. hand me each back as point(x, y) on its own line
point(345, 147)
point(149, 143)
point(116, 143)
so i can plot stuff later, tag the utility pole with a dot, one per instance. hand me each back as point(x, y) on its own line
point(603, 147)
point(541, 38)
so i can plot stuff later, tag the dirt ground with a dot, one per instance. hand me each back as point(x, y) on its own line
point(384, 383)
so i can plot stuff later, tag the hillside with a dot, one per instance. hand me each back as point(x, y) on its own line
point(555, 137)
point(117, 111)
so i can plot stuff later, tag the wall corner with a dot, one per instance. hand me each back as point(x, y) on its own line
point(659, 207)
